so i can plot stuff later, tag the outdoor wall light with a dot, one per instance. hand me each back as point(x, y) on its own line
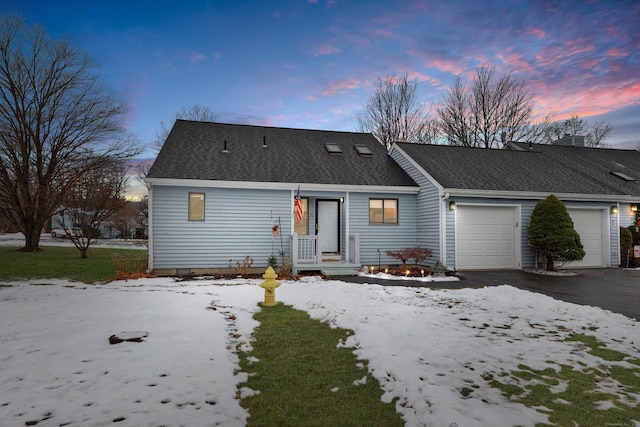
point(634, 208)
point(614, 209)
point(452, 206)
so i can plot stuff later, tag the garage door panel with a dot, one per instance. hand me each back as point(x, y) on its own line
point(589, 225)
point(485, 237)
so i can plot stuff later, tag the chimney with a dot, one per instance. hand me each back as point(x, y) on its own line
point(264, 141)
point(570, 141)
point(224, 149)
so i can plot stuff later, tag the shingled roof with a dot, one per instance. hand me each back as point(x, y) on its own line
point(549, 169)
point(196, 150)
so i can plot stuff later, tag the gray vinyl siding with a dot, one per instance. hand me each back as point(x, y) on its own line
point(237, 224)
point(427, 209)
point(376, 239)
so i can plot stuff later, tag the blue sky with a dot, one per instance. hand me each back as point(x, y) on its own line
point(313, 63)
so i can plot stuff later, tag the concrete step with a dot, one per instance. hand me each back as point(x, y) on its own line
point(339, 271)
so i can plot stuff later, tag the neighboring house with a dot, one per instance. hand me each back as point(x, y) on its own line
point(216, 191)
point(61, 220)
point(474, 204)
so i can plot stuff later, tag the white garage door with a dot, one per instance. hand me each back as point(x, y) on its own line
point(485, 237)
point(589, 225)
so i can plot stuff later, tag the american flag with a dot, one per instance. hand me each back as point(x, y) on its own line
point(297, 206)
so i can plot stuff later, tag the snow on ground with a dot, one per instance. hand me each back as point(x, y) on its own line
point(423, 345)
point(17, 239)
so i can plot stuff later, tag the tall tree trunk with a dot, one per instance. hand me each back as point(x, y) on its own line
point(31, 237)
point(550, 264)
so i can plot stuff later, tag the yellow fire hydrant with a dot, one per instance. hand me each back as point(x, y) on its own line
point(270, 284)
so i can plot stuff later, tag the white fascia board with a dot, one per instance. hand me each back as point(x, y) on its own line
point(282, 186)
point(535, 195)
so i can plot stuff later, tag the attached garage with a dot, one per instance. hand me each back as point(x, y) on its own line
point(486, 237)
point(591, 225)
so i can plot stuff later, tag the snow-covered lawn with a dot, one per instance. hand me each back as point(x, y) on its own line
point(424, 346)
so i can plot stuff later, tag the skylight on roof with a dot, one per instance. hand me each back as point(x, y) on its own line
point(623, 176)
point(333, 148)
point(363, 150)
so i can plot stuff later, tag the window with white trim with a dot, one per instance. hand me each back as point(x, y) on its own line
point(383, 211)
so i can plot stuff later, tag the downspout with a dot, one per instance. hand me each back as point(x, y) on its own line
point(443, 225)
point(346, 227)
point(150, 227)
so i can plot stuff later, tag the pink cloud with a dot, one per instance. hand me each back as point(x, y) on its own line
point(538, 33)
point(589, 99)
point(442, 64)
point(415, 75)
point(514, 61)
point(342, 85)
point(589, 64)
point(383, 33)
point(196, 57)
point(617, 53)
point(326, 49)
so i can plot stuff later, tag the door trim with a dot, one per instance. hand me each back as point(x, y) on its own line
point(339, 227)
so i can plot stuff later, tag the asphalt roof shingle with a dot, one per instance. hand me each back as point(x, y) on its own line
point(194, 150)
point(544, 168)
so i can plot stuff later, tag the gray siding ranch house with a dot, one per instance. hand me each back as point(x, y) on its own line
point(224, 195)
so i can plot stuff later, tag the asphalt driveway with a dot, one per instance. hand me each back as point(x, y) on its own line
point(614, 289)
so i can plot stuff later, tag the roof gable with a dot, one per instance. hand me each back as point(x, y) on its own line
point(230, 152)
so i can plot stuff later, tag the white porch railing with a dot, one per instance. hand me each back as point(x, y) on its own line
point(304, 249)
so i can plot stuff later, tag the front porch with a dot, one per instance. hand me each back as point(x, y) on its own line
point(305, 256)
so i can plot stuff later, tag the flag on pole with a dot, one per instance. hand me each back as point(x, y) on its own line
point(297, 206)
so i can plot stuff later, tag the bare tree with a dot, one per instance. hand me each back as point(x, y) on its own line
point(195, 112)
point(56, 122)
point(393, 112)
point(92, 200)
point(595, 133)
point(493, 108)
point(599, 130)
point(454, 115)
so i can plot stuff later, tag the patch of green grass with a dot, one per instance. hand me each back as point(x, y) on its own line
point(60, 263)
point(598, 349)
point(571, 396)
point(304, 379)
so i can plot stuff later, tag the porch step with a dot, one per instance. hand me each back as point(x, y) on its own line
point(339, 271)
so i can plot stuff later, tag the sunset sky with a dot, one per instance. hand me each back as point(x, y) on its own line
point(313, 63)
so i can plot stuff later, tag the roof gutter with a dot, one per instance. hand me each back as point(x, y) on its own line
point(538, 195)
point(281, 185)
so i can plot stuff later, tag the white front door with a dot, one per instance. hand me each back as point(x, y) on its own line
point(328, 226)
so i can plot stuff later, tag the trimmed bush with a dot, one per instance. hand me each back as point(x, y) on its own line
point(551, 233)
point(626, 243)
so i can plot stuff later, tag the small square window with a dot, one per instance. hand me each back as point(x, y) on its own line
point(196, 206)
point(383, 211)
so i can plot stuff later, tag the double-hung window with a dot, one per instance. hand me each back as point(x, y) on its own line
point(383, 211)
